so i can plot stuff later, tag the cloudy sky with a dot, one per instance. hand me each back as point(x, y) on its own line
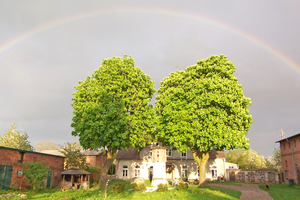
point(46, 47)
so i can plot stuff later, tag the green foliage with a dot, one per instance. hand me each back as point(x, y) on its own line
point(233, 156)
point(252, 160)
point(73, 157)
point(119, 187)
point(274, 161)
point(162, 187)
point(203, 108)
point(111, 107)
point(112, 169)
point(36, 173)
point(139, 187)
point(194, 192)
point(182, 186)
point(93, 169)
point(15, 139)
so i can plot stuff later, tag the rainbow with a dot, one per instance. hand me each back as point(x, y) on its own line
point(173, 13)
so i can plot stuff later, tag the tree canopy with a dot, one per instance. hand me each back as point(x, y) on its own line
point(46, 145)
point(203, 108)
point(111, 108)
point(252, 160)
point(13, 138)
point(73, 156)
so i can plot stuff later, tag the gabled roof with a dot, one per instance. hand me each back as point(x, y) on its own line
point(288, 137)
point(130, 154)
point(75, 171)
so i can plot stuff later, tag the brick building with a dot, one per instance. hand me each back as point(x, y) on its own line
point(290, 156)
point(11, 168)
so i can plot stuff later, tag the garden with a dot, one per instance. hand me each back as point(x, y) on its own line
point(96, 192)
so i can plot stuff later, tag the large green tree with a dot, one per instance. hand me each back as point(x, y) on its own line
point(203, 108)
point(17, 139)
point(112, 110)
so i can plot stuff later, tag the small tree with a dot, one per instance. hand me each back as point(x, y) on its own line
point(15, 139)
point(36, 173)
point(73, 156)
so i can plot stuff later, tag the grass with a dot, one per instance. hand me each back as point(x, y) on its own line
point(194, 192)
point(282, 191)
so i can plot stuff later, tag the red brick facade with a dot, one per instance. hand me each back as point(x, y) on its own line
point(94, 158)
point(16, 157)
point(288, 146)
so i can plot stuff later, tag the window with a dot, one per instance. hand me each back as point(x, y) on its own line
point(184, 171)
point(214, 171)
point(21, 157)
point(183, 154)
point(137, 171)
point(294, 143)
point(283, 146)
point(125, 171)
point(150, 153)
point(286, 163)
point(230, 167)
point(19, 172)
point(286, 174)
point(169, 153)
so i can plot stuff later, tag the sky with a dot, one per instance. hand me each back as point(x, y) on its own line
point(47, 46)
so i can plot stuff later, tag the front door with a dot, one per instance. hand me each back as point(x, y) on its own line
point(49, 179)
point(5, 176)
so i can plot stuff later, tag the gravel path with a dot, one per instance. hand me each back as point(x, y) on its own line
point(249, 191)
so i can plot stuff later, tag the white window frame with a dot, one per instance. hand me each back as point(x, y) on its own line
point(125, 171)
point(169, 152)
point(214, 171)
point(286, 174)
point(137, 171)
point(184, 154)
point(184, 172)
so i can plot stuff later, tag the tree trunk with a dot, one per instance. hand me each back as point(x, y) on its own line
point(201, 162)
point(103, 174)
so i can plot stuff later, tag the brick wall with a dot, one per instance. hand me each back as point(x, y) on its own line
point(287, 158)
point(15, 158)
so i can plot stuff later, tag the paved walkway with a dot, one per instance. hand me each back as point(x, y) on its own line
point(249, 191)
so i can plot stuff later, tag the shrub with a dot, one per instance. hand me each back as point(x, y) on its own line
point(182, 186)
point(119, 187)
point(139, 187)
point(162, 187)
point(36, 173)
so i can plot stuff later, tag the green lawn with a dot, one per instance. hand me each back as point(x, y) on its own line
point(194, 192)
point(283, 191)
